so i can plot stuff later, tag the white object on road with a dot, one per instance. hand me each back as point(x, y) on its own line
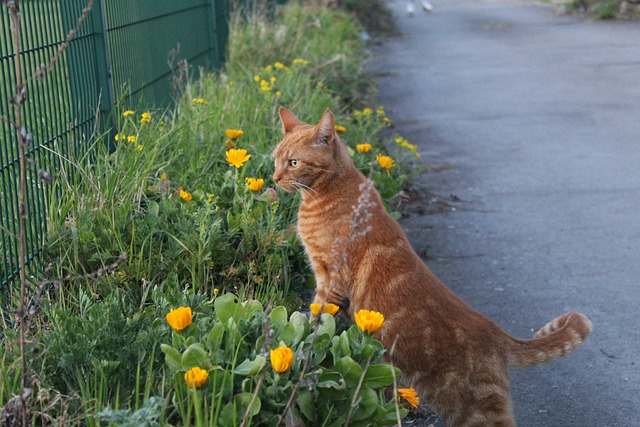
point(426, 6)
point(410, 8)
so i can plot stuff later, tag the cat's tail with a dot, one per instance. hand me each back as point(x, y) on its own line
point(557, 338)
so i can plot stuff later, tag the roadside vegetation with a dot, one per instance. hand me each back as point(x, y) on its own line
point(606, 9)
point(179, 291)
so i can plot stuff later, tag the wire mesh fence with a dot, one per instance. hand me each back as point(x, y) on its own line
point(125, 51)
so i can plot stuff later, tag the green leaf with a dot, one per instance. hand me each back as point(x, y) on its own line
point(251, 367)
point(277, 319)
point(194, 355)
point(227, 307)
point(172, 357)
point(300, 323)
point(349, 370)
point(250, 306)
point(287, 335)
point(153, 210)
point(328, 325)
point(306, 404)
point(341, 346)
point(378, 376)
point(214, 338)
point(367, 404)
point(242, 402)
point(330, 379)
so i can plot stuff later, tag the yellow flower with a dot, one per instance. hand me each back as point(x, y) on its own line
point(185, 195)
point(198, 101)
point(210, 199)
point(230, 143)
point(196, 377)
point(268, 68)
point(385, 162)
point(179, 318)
point(139, 147)
point(273, 79)
point(363, 148)
point(380, 111)
point(234, 133)
point(330, 308)
point(265, 86)
point(367, 112)
point(128, 113)
point(146, 118)
point(300, 61)
point(340, 128)
point(131, 138)
point(237, 156)
point(369, 321)
point(255, 184)
point(256, 78)
point(118, 137)
point(279, 65)
point(410, 395)
point(278, 93)
point(281, 359)
point(216, 291)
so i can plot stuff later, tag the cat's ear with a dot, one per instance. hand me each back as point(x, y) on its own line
point(289, 120)
point(326, 128)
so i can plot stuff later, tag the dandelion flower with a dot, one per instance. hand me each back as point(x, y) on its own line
point(254, 184)
point(210, 198)
point(410, 395)
point(256, 78)
point(340, 128)
point(279, 65)
point(179, 318)
point(139, 147)
point(234, 133)
point(185, 195)
point(363, 148)
point(367, 112)
point(330, 308)
point(118, 137)
point(146, 118)
point(132, 138)
point(196, 377)
point(198, 101)
point(281, 359)
point(300, 61)
point(385, 162)
point(128, 113)
point(237, 157)
point(369, 321)
point(278, 93)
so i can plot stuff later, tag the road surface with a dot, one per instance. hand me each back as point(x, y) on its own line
point(530, 124)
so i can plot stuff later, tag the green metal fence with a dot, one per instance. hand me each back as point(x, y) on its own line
point(126, 51)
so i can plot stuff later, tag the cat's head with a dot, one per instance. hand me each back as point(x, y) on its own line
point(309, 157)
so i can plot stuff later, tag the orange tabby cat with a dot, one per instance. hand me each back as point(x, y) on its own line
point(455, 357)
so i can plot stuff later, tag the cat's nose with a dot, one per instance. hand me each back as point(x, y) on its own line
point(276, 178)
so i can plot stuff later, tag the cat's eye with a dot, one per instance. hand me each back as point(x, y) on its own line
point(294, 163)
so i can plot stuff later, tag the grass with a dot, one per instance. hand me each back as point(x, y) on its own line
point(164, 221)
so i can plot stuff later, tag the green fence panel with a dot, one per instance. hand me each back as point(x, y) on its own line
point(126, 53)
point(147, 39)
point(46, 118)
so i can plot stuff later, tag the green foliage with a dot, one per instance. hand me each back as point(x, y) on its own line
point(164, 195)
point(337, 376)
point(601, 9)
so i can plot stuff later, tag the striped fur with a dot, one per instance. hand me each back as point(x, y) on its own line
point(455, 357)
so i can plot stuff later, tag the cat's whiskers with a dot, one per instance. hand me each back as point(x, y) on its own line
point(305, 189)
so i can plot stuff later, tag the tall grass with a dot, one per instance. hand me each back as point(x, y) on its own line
point(163, 220)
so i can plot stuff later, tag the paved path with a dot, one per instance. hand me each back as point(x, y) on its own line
point(532, 120)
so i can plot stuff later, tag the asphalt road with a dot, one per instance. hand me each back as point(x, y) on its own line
point(530, 124)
